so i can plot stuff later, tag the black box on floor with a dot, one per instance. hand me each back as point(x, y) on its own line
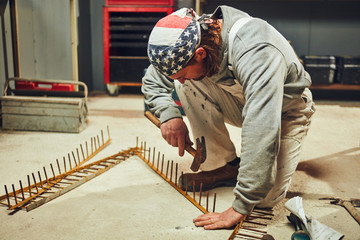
point(348, 70)
point(321, 68)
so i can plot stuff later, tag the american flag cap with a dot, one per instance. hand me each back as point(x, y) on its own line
point(173, 41)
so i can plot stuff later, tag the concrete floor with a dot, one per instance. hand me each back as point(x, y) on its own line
point(131, 202)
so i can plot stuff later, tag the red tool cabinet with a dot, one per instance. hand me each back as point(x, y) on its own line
point(126, 28)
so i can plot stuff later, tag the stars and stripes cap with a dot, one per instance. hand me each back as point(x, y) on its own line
point(173, 41)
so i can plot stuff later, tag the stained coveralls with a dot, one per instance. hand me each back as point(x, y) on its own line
point(266, 95)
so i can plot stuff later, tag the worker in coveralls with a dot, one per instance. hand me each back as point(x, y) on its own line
point(251, 79)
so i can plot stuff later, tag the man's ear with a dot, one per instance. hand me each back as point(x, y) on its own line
point(200, 53)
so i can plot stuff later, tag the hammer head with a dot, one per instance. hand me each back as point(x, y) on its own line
point(200, 154)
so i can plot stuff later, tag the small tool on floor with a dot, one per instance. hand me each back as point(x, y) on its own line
point(199, 154)
point(350, 205)
point(300, 233)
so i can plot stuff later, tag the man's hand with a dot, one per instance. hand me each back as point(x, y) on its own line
point(175, 132)
point(225, 219)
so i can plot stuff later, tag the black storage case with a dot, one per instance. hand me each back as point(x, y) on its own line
point(348, 70)
point(321, 68)
point(127, 70)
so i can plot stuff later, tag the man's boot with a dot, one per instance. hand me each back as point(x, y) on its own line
point(220, 177)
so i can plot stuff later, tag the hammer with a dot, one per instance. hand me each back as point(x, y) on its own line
point(199, 154)
point(350, 205)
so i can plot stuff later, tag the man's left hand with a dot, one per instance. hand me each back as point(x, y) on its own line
point(225, 219)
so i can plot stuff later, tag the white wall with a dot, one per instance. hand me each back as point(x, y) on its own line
point(44, 38)
point(6, 67)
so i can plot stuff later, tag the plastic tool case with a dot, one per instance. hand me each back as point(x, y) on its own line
point(348, 70)
point(321, 68)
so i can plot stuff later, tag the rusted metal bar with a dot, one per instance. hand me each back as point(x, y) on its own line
point(14, 194)
point(69, 161)
point(92, 150)
point(248, 236)
point(47, 180)
point(167, 168)
point(7, 196)
point(52, 169)
point(207, 200)
point(97, 136)
point(231, 237)
point(41, 184)
point(201, 184)
point(37, 189)
point(74, 158)
point(176, 173)
point(22, 191)
point(78, 155)
point(58, 165)
point(102, 137)
point(153, 156)
point(158, 160)
point(28, 178)
point(214, 202)
point(162, 165)
point(192, 200)
point(171, 170)
point(64, 164)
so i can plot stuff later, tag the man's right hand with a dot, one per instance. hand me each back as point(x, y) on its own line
point(176, 133)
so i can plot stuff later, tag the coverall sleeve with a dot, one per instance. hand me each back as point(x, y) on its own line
point(261, 71)
point(157, 90)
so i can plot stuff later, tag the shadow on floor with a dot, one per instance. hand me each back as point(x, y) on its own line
point(340, 170)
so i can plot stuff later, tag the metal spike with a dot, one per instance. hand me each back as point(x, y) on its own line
point(22, 190)
point(176, 173)
point(52, 169)
point(64, 164)
point(201, 184)
point(214, 202)
point(87, 150)
point(13, 187)
point(7, 196)
point(58, 165)
point(78, 155)
point(47, 180)
point(29, 184)
point(102, 137)
point(171, 171)
point(74, 158)
point(42, 186)
point(69, 161)
point(82, 151)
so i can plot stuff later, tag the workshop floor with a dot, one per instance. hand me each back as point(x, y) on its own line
point(131, 202)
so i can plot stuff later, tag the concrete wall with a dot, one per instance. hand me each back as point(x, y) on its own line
point(97, 44)
point(314, 27)
point(44, 40)
point(6, 67)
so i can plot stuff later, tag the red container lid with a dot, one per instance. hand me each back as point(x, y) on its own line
point(141, 2)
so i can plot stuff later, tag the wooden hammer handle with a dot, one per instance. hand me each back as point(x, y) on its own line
point(153, 119)
point(157, 123)
point(352, 210)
